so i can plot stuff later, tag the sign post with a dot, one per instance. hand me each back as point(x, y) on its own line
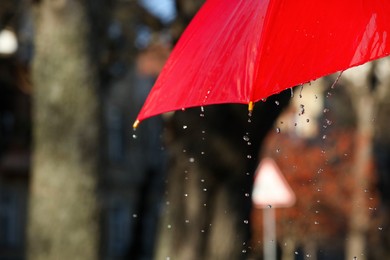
point(270, 191)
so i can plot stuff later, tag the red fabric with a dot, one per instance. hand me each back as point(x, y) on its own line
point(237, 51)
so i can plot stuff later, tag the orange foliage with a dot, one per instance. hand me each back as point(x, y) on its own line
point(319, 171)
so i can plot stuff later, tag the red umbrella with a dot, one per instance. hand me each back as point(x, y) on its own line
point(241, 51)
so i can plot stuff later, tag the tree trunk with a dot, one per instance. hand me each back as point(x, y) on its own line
point(359, 215)
point(63, 220)
point(363, 101)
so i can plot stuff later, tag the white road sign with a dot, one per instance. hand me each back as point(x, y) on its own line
point(270, 187)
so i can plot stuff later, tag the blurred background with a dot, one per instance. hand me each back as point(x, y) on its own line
point(76, 182)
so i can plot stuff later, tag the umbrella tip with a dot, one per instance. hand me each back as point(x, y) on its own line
point(135, 125)
point(250, 106)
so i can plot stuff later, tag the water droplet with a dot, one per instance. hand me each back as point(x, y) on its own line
point(308, 120)
point(202, 180)
point(277, 103)
point(296, 252)
point(169, 226)
point(184, 127)
point(191, 160)
point(292, 92)
point(247, 173)
point(278, 150)
point(202, 153)
point(184, 150)
point(302, 107)
point(202, 109)
point(135, 215)
point(183, 109)
point(185, 194)
point(246, 221)
point(249, 156)
point(300, 92)
point(187, 221)
point(324, 137)
point(244, 251)
point(246, 194)
point(277, 130)
point(269, 206)
point(326, 110)
point(380, 228)
point(202, 231)
point(204, 189)
point(316, 223)
point(134, 136)
point(246, 138)
point(355, 258)
point(263, 99)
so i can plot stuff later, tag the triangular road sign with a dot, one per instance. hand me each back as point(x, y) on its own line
point(270, 187)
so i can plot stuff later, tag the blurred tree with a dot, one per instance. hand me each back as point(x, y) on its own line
point(63, 221)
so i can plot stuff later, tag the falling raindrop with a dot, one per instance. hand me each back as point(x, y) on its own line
point(134, 136)
point(135, 215)
point(244, 251)
point(201, 111)
point(187, 221)
point(296, 252)
point(337, 80)
point(204, 189)
point(185, 194)
point(277, 103)
point(246, 221)
point(316, 223)
point(169, 226)
point(324, 137)
point(300, 92)
point(246, 138)
point(184, 127)
point(191, 160)
point(380, 228)
point(249, 156)
point(246, 194)
point(302, 107)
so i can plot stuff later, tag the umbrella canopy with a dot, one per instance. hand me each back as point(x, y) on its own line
point(241, 51)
